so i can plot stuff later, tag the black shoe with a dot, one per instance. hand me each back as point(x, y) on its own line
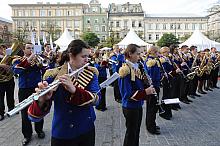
point(154, 132)
point(118, 100)
point(210, 89)
point(174, 108)
point(178, 106)
point(185, 101)
point(202, 92)
point(2, 117)
point(165, 117)
point(25, 141)
point(189, 100)
point(216, 87)
point(197, 95)
point(157, 127)
point(41, 135)
point(192, 96)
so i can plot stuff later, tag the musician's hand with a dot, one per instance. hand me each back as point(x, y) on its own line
point(41, 86)
point(67, 83)
point(31, 57)
point(183, 64)
point(178, 70)
point(150, 90)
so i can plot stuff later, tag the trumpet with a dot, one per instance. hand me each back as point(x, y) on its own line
point(35, 96)
point(42, 61)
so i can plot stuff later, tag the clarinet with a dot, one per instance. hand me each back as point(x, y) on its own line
point(148, 83)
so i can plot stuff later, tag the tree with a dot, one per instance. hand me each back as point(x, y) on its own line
point(167, 39)
point(91, 38)
point(184, 38)
point(111, 40)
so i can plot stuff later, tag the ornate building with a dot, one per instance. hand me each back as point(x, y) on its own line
point(95, 20)
point(5, 30)
point(122, 17)
point(48, 18)
point(179, 24)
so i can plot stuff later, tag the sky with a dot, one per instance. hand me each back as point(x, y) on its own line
point(198, 7)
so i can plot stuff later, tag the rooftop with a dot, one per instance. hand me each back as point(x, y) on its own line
point(5, 20)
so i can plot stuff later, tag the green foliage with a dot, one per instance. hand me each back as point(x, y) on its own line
point(167, 39)
point(110, 41)
point(91, 38)
point(184, 38)
point(1, 41)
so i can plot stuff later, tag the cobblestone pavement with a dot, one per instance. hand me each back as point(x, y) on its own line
point(196, 124)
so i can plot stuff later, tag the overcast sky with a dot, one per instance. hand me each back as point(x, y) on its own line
point(198, 7)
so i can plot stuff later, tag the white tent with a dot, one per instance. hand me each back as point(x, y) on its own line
point(64, 40)
point(132, 38)
point(201, 41)
point(105, 49)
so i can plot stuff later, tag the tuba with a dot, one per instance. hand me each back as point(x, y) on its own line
point(6, 73)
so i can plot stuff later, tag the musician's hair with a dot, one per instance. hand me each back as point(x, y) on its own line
point(131, 48)
point(76, 46)
point(152, 48)
point(46, 44)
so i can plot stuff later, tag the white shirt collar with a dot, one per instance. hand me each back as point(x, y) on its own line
point(70, 70)
point(134, 65)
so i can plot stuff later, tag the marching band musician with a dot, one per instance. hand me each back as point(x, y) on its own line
point(49, 55)
point(6, 86)
point(202, 61)
point(133, 93)
point(175, 81)
point(29, 76)
point(184, 86)
point(74, 116)
point(214, 73)
point(171, 71)
point(194, 82)
point(119, 58)
point(153, 69)
point(207, 81)
point(101, 64)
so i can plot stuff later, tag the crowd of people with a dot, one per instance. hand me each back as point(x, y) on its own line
point(182, 73)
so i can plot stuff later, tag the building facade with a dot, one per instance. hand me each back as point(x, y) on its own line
point(46, 18)
point(214, 22)
point(180, 25)
point(95, 20)
point(122, 17)
point(5, 30)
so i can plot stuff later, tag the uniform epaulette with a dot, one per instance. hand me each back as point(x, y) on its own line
point(162, 60)
point(94, 70)
point(124, 70)
point(150, 62)
point(16, 58)
point(51, 73)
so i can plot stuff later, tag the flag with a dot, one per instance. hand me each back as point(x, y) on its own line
point(44, 39)
point(38, 40)
point(32, 38)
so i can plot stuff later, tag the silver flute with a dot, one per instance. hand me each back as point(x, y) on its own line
point(35, 96)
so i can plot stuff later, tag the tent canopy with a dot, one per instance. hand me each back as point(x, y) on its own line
point(64, 40)
point(201, 41)
point(105, 49)
point(132, 38)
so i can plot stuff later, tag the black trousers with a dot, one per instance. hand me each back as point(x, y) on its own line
point(166, 95)
point(102, 102)
point(193, 85)
point(214, 77)
point(87, 139)
point(133, 119)
point(151, 112)
point(117, 93)
point(184, 89)
point(8, 88)
point(23, 93)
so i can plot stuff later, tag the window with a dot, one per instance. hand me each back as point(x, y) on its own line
point(58, 12)
point(58, 23)
point(33, 13)
point(157, 26)
point(94, 9)
point(149, 37)
point(172, 26)
point(69, 13)
point(178, 26)
point(200, 26)
point(157, 36)
point(164, 26)
point(20, 12)
point(139, 24)
point(88, 21)
point(96, 21)
point(150, 26)
point(133, 23)
point(42, 24)
point(76, 23)
point(103, 38)
point(117, 35)
point(42, 13)
point(34, 24)
point(117, 24)
point(26, 13)
point(111, 24)
point(186, 26)
point(103, 29)
point(193, 26)
point(96, 28)
point(103, 20)
point(69, 23)
point(49, 13)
